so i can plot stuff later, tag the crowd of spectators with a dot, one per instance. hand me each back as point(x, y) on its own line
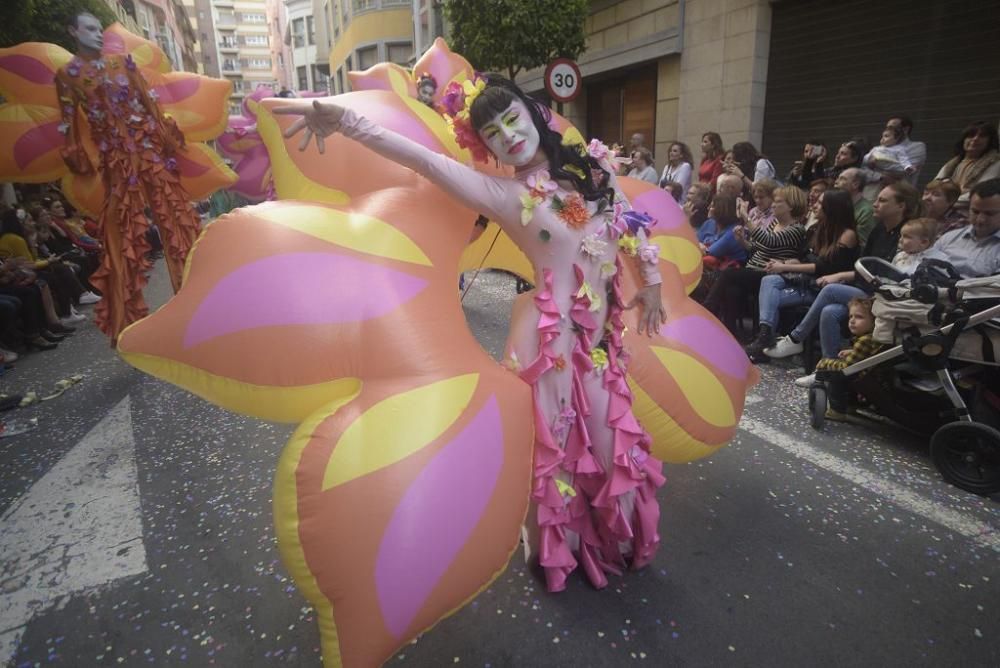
point(780, 255)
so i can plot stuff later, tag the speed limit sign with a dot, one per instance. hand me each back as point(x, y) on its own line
point(562, 80)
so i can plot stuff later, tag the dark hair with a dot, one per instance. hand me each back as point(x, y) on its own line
point(73, 20)
point(897, 132)
point(977, 128)
point(725, 211)
point(857, 149)
point(838, 211)
point(499, 94)
point(676, 189)
point(716, 141)
point(905, 122)
point(746, 155)
point(685, 152)
point(988, 188)
point(950, 189)
point(10, 224)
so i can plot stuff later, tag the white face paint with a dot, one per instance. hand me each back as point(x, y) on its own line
point(88, 32)
point(511, 135)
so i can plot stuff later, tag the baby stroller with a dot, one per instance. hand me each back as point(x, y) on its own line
point(945, 346)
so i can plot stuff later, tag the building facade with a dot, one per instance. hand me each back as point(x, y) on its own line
point(308, 72)
point(166, 23)
point(281, 52)
point(243, 40)
point(365, 32)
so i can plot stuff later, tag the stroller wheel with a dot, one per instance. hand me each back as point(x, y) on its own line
point(817, 405)
point(968, 456)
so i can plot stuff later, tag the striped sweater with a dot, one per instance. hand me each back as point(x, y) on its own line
point(771, 243)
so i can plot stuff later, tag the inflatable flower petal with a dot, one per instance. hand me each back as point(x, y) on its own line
point(30, 136)
point(400, 495)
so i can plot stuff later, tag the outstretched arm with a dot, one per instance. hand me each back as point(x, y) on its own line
point(489, 195)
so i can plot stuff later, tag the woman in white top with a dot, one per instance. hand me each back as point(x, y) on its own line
point(749, 165)
point(678, 168)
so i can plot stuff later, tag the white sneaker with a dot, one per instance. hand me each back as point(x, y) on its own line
point(785, 347)
point(89, 298)
point(8, 355)
point(806, 381)
point(71, 320)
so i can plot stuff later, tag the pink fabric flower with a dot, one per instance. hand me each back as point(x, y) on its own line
point(597, 149)
point(649, 253)
point(541, 184)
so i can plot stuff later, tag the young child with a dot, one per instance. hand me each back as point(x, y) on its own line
point(860, 322)
point(889, 157)
point(915, 244)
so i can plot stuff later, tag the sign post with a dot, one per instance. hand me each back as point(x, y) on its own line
point(562, 81)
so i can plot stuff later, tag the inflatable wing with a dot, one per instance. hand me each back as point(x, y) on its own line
point(401, 493)
point(29, 118)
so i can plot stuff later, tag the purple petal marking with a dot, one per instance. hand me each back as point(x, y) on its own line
point(661, 206)
point(299, 289)
point(175, 91)
point(435, 518)
point(28, 68)
point(36, 142)
point(710, 341)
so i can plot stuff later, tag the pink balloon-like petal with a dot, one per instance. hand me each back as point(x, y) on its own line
point(711, 341)
point(28, 68)
point(36, 142)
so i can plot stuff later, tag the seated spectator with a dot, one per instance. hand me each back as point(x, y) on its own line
point(696, 204)
point(781, 240)
point(811, 167)
point(939, 204)
point(896, 204)
point(852, 181)
point(861, 324)
point(749, 165)
point(58, 245)
point(832, 250)
point(678, 168)
point(974, 250)
point(712, 153)
point(816, 190)
point(73, 228)
point(40, 328)
point(675, 190)
point(889, 159)
point(729, 184)
point(916, 239)
point(717, 235)
point(977, 158)
point(850, 154)
point(642, 166)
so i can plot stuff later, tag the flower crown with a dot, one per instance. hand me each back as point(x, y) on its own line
point(457, 101)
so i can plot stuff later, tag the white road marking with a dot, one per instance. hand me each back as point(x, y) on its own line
point(77, 528)
point(979, 532)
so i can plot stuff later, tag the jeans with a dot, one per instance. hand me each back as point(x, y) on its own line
point(829, 311)
point(775, 294)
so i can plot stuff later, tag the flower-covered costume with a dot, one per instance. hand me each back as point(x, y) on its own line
point(594, 485)
point(137, 144)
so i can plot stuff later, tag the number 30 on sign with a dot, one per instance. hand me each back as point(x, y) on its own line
point(562, 80)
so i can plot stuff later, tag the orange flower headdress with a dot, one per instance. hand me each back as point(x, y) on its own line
point(457, 102)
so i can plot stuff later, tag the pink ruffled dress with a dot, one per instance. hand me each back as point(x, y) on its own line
point(594, 487)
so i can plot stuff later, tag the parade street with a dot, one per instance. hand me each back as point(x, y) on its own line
point(137, 530)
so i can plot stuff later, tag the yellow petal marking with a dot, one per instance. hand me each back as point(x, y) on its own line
point(671, 442)
point(289, 180)
point(395, 428)
point(356, 231)
point(679, 252)
point(701, 388)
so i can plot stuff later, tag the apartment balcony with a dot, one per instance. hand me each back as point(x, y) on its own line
point(231, 70)
point(229, 46)
point(223, 3)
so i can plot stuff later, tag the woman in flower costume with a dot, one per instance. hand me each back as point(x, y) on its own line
point(594, 485)
point(137, 145)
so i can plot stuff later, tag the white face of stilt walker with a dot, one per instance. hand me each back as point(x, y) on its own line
point(511, 135)
point(88, 32)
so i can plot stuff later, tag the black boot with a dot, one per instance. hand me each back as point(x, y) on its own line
point(765, 339)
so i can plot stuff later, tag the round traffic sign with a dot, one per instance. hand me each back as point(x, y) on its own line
point(562, 80)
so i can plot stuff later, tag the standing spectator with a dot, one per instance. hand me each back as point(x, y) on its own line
point(637, 142)
point(711, 161)
point(812, 166)
point(852, 181)
point(678, 168)
point(977, 158)
point(850, 154)
point(916, 151)
point(642, 166)
point(939, 203)
point(974, 250)
point(749, 165)
point(696, 204)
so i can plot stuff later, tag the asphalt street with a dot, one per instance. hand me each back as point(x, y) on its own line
point(788, 548)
